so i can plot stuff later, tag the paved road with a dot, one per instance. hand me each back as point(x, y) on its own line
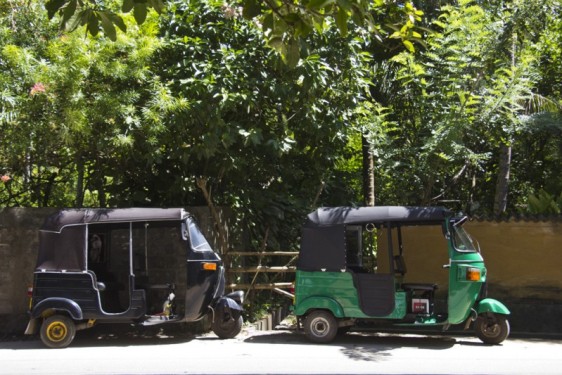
point(278, 352)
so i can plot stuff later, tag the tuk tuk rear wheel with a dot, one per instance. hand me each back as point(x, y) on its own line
point(57, 331)
point(320, 326)
point(492, 329)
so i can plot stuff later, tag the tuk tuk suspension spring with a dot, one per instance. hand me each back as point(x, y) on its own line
point(473, 316)
point(213, 313)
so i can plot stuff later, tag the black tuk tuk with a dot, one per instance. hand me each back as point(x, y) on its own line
point(129, 265)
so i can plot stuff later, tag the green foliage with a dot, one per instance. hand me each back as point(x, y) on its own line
point(456, 102)
point(284, 23)
point(544, 203)
point(74, 105)
point(198, 92)
point(264, 136)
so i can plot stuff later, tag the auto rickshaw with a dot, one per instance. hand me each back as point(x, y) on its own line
point(145, 266)
point(353, 272)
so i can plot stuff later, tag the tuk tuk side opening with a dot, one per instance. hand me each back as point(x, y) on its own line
point(138, 256)
point(376, 256)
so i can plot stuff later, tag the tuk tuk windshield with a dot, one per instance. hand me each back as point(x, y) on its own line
point(198, 240)
point(462, 240)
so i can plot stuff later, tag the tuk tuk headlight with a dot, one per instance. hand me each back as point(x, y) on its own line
point(473, 274)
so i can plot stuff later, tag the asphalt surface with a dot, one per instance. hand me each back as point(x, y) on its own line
point(122, 349)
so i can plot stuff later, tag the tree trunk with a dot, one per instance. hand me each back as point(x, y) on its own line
point(79, 202)
point(101, 192)
point(500, 201)
point(368, 173)
point(428, 188)
point(504, 166)
point(222, 233)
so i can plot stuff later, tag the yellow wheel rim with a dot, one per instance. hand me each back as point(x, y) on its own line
point(57, 331)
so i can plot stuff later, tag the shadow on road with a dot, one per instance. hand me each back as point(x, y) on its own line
point(367, 346)
point(112, 335)
point(358, 338)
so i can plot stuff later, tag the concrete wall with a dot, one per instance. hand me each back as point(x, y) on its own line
point(523, 258)
point(524, 261)
point(19, 240)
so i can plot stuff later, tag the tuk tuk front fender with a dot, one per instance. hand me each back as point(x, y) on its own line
point(226, 307)
point(230, 302)
point(58, 304)
point(491, 305)
point(319, 303)
point(237, 296)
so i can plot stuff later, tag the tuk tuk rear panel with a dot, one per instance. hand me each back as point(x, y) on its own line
point(339, 287)
point(77, 288)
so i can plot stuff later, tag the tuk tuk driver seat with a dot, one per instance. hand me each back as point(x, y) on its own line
point(416, 290)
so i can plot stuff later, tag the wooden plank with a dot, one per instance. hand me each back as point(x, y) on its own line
point(261, 286)
point(263, 253)
point(262, 269)
point(284, 292)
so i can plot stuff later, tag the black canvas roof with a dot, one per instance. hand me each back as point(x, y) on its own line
point(62, 238)
point(70, 217)
point(330, 216)
point(323, 241)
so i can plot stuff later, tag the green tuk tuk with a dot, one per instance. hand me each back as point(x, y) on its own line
point(352, 273)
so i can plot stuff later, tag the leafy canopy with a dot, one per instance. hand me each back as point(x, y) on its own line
point(284, 22)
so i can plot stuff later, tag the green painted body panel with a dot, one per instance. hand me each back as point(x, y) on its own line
point(336, 292)
point(463, 293)
point(320, 302)
point(492, 305)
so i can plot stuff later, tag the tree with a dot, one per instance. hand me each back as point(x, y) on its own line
point(452, 103)
point(284, 22)
point(523, 27)
point(74, 107)
point(194, 106)
point(254, 134)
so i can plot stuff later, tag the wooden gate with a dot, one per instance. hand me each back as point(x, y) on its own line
point(254, 271)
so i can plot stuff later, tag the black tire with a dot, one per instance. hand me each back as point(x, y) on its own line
point(57, 331)
point(492, 329)
point(320, 326)
point(227, 328)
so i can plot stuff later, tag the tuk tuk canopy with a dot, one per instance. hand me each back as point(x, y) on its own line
point(62, 238)
point(323, 241)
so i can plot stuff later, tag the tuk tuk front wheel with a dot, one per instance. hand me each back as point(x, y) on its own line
point(227, 327)
point(492, 329)
point(320, 326)
point(57, 331)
